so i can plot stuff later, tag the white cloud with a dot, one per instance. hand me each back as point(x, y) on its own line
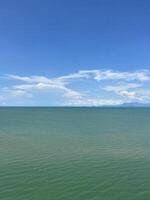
point(121, 86)
point(29, 79)
point(130, 89)
point(125, 90)
point(13, 95)
point(128, 95)
point(128, 76)
point(143, 75)
point(43, 84)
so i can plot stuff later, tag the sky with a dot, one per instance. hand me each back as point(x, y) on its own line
point(74, 53)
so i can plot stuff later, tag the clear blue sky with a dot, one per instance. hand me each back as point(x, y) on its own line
point(53, 38)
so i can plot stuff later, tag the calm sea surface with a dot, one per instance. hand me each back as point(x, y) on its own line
point(74, 154)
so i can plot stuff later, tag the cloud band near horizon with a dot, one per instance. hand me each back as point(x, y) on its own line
point(83, 88)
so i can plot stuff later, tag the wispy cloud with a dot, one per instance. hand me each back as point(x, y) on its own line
point(113, 87)
point(143, 75)
point(124, 90)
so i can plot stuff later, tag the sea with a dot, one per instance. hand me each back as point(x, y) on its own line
point(74, 153)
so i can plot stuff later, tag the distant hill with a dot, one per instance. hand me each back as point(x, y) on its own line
point(135, 104)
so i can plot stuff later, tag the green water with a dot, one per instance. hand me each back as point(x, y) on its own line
point(74, 154)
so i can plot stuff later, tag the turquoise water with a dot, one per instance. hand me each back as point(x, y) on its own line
point(74, 154)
